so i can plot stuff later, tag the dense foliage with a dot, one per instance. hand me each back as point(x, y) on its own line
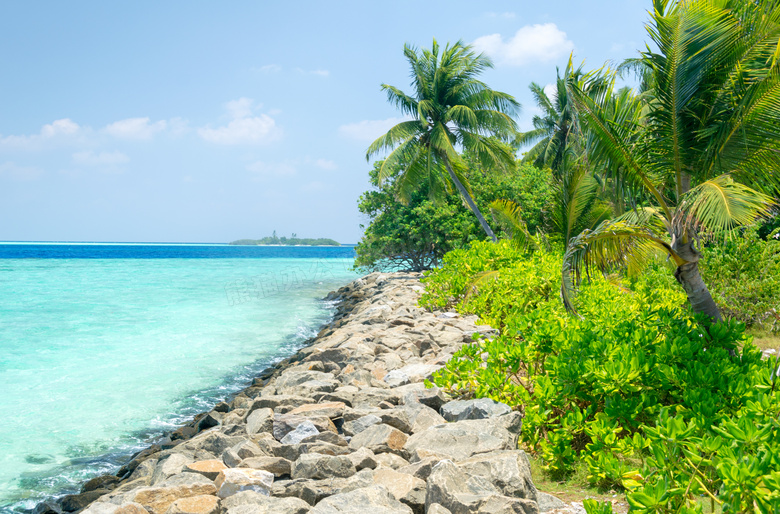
point(655, 400)
point(415, 236)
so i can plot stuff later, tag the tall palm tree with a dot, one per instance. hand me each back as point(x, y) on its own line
point(555, 131)
point(707, 149)
point(449, 109)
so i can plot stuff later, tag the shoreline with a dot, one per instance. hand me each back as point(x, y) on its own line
point(301, 422)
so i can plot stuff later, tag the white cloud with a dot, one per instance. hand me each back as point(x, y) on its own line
point(21, 173)
point(325, 164)
point(551, 91)
point(263, 169)
point(135, 128)
point(244, 128)
point(319, 73)
point(90, 158)
point(57, 129)
point(270, 68)
point(532, 43)
point(260, 129)
point(240, 108)
point(369, 130)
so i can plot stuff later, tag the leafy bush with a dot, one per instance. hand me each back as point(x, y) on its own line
point(644, 392)
point(744, 277)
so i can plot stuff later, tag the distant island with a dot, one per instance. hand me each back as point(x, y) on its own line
point(288, 241)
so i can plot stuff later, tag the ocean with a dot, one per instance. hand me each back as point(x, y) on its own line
point(104, 347)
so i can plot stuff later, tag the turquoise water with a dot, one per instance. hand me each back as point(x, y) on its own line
point(99, 356)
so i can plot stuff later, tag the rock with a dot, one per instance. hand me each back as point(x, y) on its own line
point(352, 428)
point(326, 437)
point(274, 401)
point(404, 488)
point(548, 502)
point(317, 466)
point(157, 499)
point(481, 408)
point(432, 397)
point(212, 442)
point(509, 471)
point(276, 465)
point(250, 502)
point(425, 419)
point(396, 378)
point(422, 468)
point(288, 422)
point(260, 420)
point(203, 504)
point(51, 507)
point(461, 493)
point(462, 439)
point(172, 465)
point(74, 502)
point(233, 480)
point(390, 460)
point(313, 491)
point(419, 372)
point(380, 439)
point(331, 410)
point(210, 420)
point(101, 482)
point(301, 432)
point(438, 509)
point(363, 458)
point(291, 379)
point(112, 508)
point(208, 468)
point(401, 418)
point(375, 499)
point(323, 448)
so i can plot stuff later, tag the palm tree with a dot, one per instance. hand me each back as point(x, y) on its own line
point(705, 151)
point(555, 132)
point(449, 109)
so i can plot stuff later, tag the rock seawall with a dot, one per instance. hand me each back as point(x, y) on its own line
point(344, 425)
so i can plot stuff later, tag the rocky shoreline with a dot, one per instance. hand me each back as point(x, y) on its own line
point(344, 425)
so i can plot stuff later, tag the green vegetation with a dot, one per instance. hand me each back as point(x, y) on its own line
point(633, 200)
point(652, 398)
point(415, 236)
point(291, 241)
point(449, 108)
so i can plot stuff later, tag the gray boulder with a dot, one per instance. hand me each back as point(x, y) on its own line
point(462, 439)
point(301, 432)
point(380, 439)
point(355, 427)
point(318, 466)
point(375, 499)
point(508, 470)
point(481, 408)
point(260, 420)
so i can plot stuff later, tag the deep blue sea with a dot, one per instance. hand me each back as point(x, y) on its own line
point(104, 347)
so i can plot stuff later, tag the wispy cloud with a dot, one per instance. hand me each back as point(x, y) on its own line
point(269, 68)
point(244, 128)
point(532, 43)
point(135, 128)
point(90, 158)
point(325, 164)
point(318, 72)
point(58, 129)
point(368, 130)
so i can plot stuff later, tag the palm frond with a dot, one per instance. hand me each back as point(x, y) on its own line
point(612, 245)
point(721, 204)
point(509, 215)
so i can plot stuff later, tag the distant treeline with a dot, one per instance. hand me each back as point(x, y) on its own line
point(291, 241)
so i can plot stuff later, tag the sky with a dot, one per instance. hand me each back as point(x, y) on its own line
point(213, 121)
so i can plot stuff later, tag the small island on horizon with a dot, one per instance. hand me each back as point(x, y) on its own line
point(287, 241)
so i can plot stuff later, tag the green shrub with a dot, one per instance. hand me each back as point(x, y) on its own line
point(744, 277)
point(638, 388)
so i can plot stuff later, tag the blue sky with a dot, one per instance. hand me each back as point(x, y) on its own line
point(213, 121)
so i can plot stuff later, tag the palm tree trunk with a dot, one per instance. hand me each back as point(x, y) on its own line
point(689, 277)
point(469, 200)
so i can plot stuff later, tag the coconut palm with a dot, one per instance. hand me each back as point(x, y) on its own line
point(449, 109)
point(555, 131)
point(707, 149)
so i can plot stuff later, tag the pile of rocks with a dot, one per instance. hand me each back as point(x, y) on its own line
point(345, 425)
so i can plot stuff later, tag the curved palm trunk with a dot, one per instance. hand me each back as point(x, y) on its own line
point(469, 200)
point(689, 277)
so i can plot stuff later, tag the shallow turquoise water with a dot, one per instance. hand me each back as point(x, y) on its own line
point(100, 356)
